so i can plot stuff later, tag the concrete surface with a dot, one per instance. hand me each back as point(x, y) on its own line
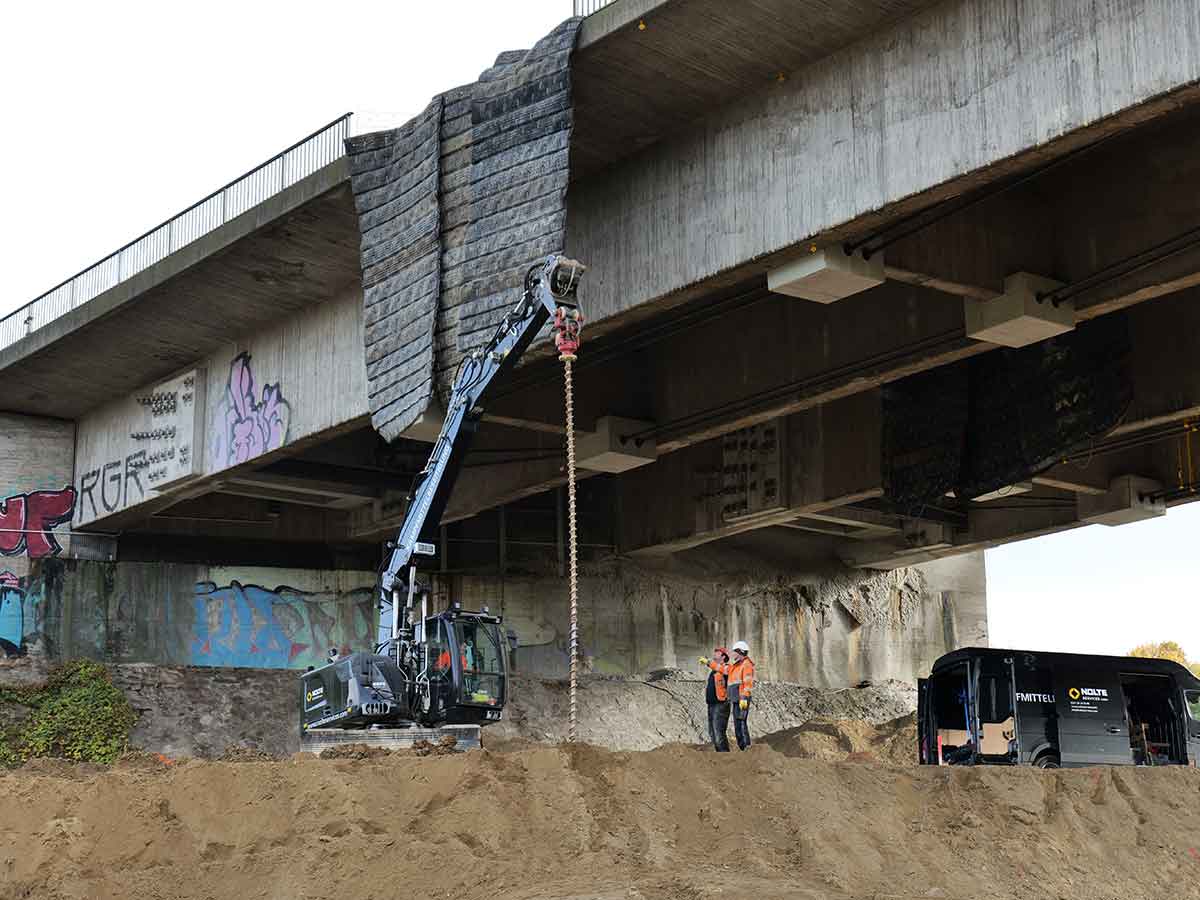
point(288, 253)
point(948, 93)
point(294, 378)
point(824, 627)
point(637, 86)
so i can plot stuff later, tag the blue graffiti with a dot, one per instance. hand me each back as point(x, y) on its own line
point(236, 626)
point(18, 613)
point(12, 620)
point(248, 625)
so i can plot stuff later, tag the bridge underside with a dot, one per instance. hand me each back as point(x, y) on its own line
point(827, 383)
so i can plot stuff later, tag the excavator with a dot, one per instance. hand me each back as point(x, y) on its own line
point(449, 668)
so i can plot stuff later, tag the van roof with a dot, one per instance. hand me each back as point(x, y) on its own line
point(1126, 663)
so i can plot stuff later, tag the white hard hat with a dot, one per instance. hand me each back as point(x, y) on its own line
point(743, 646)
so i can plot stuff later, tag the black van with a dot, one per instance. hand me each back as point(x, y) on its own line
point(981, 706)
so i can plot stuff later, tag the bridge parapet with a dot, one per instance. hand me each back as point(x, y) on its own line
point(323, 147)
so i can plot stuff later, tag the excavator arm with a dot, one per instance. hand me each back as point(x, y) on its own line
point(549, 294)
point(449, 667)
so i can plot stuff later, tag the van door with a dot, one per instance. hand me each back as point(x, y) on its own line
point(1037, 717)
point(925, 748)
point(928, 749)
point(1192, 704)
point(1092, 725)
point(994, 715)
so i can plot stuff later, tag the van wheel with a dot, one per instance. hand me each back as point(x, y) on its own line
point(1048, 761)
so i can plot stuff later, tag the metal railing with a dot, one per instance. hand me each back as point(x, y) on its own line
point(301, 159)
point(587, 7)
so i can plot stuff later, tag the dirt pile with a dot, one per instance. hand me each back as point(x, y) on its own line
point(569, 823)
point(201, 711)
point(833, 740)
point(668, 708)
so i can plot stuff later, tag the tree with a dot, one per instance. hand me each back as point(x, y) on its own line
point(1165, 650)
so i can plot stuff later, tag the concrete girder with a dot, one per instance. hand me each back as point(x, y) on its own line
point(475, 491)
point(237, 488)
point(504, 464)
point(781, 357)
point(846, 120)
point(319, 492)
point(1082, 215)
point(1166, 383)
point(1063, 478)
point(1129, 498)
point(993, 526)
point(919, 542)
point(669, 506)
point(831, 460)
point(751, 360)
point(860, 523)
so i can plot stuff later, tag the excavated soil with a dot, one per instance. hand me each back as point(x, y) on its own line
point(834, 740)
point(569, 823)
point(668, 708)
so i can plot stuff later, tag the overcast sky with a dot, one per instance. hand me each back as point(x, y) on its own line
point(118, 115)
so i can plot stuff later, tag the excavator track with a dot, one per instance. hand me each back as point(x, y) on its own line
point(443, 739)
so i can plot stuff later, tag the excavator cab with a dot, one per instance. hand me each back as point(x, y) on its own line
point(467, 668)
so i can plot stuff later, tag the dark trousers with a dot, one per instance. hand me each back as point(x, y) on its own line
point(741, 725)
point(718, 726)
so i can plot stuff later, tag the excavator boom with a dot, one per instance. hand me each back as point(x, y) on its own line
point(446, 668)
point(549, 293)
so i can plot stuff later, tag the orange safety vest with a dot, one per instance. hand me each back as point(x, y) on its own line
point(443, 661)
point(742, 673)
point(720, 670)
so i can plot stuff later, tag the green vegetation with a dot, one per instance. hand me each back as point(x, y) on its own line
point(78, 714)
point(1165, 650)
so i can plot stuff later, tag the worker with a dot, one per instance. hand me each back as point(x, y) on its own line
point(717, 698)
point(470, 682)
point(443, 660)
point(740, 685)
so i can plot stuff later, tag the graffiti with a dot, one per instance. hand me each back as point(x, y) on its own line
point(249, 625)
point(112, 482)
point(20, 614)
point(26, 521)
point(249, 425)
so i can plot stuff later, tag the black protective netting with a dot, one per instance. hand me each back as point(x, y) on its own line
point(1002, 417)
point(924, 426)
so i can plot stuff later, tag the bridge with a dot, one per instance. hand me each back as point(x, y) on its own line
point(873, 287)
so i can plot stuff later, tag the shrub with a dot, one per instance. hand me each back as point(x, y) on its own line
point(78, 714)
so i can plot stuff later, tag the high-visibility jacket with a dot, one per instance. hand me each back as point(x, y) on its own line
point(443, 661)
point(716, 680)
point(741, 673)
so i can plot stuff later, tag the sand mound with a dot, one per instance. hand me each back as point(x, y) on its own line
point(569, 823)
point(668, 708)
point(833, 740)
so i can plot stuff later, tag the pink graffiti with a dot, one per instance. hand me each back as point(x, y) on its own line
point(253, 426)
point(26, 521)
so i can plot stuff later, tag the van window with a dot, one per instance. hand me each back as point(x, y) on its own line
point(1193, 702)
point(995, 699)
